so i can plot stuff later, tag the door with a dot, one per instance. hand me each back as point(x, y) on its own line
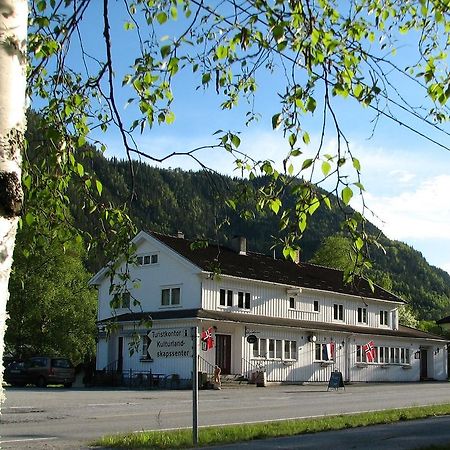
point(423, 364)
point(223, 353)
point(120, 354)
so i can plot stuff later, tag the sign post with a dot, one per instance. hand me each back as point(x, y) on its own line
point(195, 387)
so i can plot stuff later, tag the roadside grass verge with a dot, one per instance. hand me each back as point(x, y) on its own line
point(214, 435)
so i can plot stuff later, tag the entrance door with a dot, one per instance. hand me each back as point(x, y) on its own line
point(423, 364)
point(120, 354)
point(223, 353)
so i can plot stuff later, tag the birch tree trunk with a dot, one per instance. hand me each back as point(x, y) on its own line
point(13, 34)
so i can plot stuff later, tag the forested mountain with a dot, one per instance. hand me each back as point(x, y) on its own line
point(194, 202)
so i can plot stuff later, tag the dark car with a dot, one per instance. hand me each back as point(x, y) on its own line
point(41, 371)
point(16, 373)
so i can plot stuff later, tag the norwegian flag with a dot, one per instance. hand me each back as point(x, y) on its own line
point(369, 349)
point(207, 338)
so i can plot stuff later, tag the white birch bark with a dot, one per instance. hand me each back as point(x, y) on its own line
point(13, 34)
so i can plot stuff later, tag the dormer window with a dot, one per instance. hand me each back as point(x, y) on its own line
point(291, 302)
point(226, 297)
point(244, 300)
point(383, 317)
point(362, 315)
point(338, 312)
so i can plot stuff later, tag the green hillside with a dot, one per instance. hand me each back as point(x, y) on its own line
point(193, 202)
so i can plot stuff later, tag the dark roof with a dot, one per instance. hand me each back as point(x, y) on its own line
point(443, 320)
point(256, 266)
point(275, 321)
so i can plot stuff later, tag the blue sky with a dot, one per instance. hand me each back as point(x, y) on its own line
point(407, 178)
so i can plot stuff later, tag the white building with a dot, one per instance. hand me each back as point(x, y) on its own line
point(304, 322)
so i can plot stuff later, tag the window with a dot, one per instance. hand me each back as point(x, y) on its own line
point(263, 348)
point(170, 296)
point(290, 349)
point(256, 349)
point(145, 344)
point(360, 354)
point(273, 349)
point(229, 298)
point(247, 300)
point(402, 355)
point(397, 355)
point(244, 300)
point(146, 260)
point(125, 303)
point(120, 300)
point(338, 312)
point(291, 302)
point(226, 297)
point(323, 352)
point(383, 354)
point(383, 317)
point(387, 355)
point(362, 315)
point(407, 356)
point(316, 306)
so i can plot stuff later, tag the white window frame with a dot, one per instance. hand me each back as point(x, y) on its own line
point(275, 349)
point(322, 345)
point(292, 302)
point(338, 312)
point(384, 317)
point(171, 290)
point(123, 300)
point(316, 302)
point(362, 315)
point(244, 300)
point(147, 259)
point(228, 297)
point(289, 350)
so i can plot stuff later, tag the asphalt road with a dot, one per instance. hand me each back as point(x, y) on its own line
point(56, 418)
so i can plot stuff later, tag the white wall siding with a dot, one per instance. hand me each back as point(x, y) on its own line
point(273, 301)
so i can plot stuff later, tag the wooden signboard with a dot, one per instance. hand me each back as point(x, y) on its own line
point(336, 381)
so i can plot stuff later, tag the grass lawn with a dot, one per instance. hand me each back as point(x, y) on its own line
point(237, 433)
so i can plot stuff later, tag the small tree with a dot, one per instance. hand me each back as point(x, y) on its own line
point(52, 310)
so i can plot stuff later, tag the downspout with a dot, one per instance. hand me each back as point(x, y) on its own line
point(347, 358)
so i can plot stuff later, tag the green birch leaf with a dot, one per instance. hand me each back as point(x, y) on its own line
point(161, 17)
point(276, 121)
point(346, 195)
point(307, 163)
point(99, 187)
point(326, 167)
point(356, 164)
point(80, 169)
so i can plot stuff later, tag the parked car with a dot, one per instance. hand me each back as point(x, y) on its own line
point(16, 373)
point(41, 371)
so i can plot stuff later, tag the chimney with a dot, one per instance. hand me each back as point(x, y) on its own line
point(297, 256)
point(239, 244)
point(180, 235)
